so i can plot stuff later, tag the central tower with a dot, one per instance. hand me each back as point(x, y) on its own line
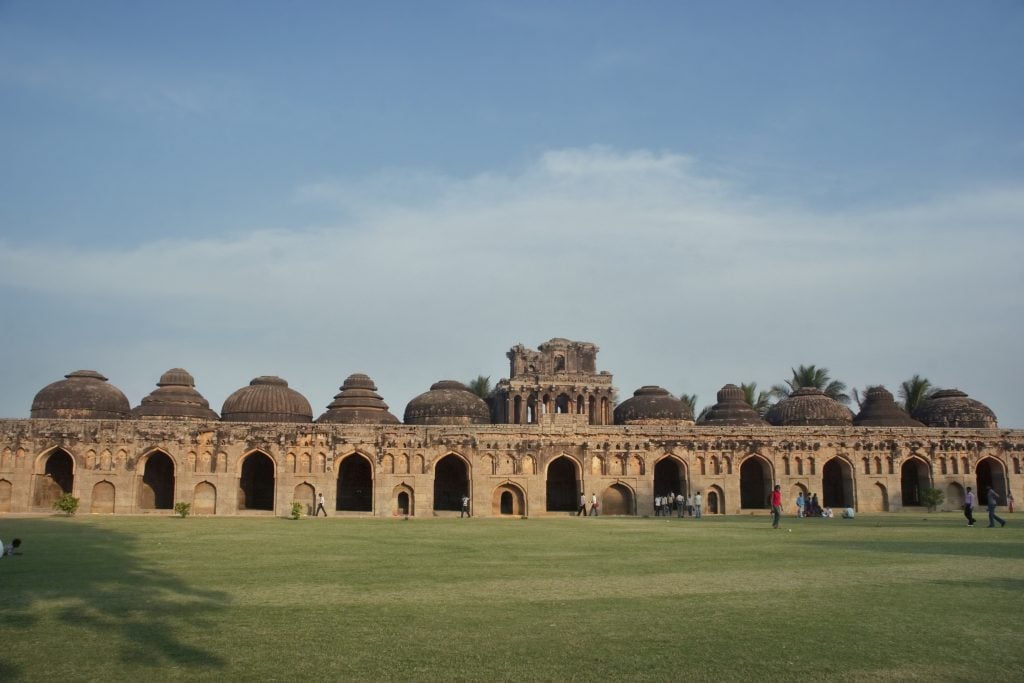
point(559, 378)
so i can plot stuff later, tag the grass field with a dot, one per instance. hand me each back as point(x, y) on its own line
point(891, 597)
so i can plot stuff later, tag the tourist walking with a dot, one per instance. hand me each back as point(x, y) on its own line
point(969, 506)
point(776, 506)
point(582, 509)
point(657, 506)
point(465, 507)
point(993, 501)
point(681, 505)
point(593, 505)
point(696, 505)
point(800, 504)
point(320, 505)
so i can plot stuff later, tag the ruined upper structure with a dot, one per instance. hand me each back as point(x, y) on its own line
point(809, 407)
point(880, 410)
point(559, 377)
point(732, 410)
point(447, 403)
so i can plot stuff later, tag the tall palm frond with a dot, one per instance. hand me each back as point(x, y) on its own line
point(758, 400)
point(690, 400)
point(815, 377)
point(915, 391)
point(481, 386)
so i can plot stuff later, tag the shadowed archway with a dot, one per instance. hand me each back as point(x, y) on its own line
point(669, 477)
point(837, 484)
point(617, 499)
point(156, 491)
point(256, 482)
point(563, 492)
point(755, 484)
point(355, 485)
point(57, 478)
point(914, 479)
point(990, 472)
point(451, 482)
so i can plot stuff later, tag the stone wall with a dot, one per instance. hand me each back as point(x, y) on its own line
point(507, 466)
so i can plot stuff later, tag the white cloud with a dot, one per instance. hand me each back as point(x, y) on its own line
point(680, 278)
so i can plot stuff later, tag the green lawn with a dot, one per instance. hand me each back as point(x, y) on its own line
point(891, 597)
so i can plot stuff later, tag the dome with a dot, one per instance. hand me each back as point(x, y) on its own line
point(175, 397)
point(732, 409)
point(653, 405)
point(358, 403)
point(83, 394)
point(447, 403)
point(880, 410)
point(952, 408)
point(266, 399)
point(809, 407)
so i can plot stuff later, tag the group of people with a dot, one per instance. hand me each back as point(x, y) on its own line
point(683, 506)
point(807, 506)
point(992, 502)
point(595, 506)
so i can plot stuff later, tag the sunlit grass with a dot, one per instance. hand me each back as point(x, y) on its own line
point(891, 597)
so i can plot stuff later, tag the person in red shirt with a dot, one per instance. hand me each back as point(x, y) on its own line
point(776, 506)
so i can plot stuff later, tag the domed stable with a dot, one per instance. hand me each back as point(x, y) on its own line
point(880, 410)
point(809, 407)
point(358, 403)
point(732, 409)
point(266, 399)
point(653, 405)
point(953, 408)
point(175, 398)
point(447, 403)
point(83, 394)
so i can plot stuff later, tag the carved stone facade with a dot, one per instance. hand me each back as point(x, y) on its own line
point(551, 442)
point(134, 466)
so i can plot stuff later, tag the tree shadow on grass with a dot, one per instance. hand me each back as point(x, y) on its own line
point(83, 576)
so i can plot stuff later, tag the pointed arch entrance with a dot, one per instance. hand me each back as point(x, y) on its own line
point(990, 472)
point(404, 497)
point(156, 491)
point(451, 482)
point(669, 476)
point(755, 484)
point(508, 499)
point(102, 498)
point(715, 501)
point(5, 495)
point(256, 482)
point(837, 484)
point(914, 479)
point(563, 486)
point(56, 479)
point(617, 499)
point(355, 484)
point(306, 496)
point(204, 499)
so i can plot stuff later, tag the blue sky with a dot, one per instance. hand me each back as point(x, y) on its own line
point(711, 192)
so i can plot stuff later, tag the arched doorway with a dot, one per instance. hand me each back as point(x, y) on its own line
point(837, 484)
point(563, 404)
point(102, 498)
point(669, 477)
point(882, 498)
point(404, 500)
point(204, 499)
point(156, 491)
point(563, 493)
point(715, 501)
point(954, 495)
point(508, 499)
point(617, 499)
point(990, 472)
point(5, 495)
point(58, 478)
point(451, 482)
point(914, 479)
point(755, 484)
point(355, 485)
point(256, 483)
point(306, 496)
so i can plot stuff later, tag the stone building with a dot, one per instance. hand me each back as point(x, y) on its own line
point(550, 432)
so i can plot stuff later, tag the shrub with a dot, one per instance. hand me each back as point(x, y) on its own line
point(183, 509)
point(296, 510)
point(67, 504)
point(932, 498)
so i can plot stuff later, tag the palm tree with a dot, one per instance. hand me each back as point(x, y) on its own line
point(690, 400)
point(759, 402)
point(859, 397)
point(916, 391)
point(481, 386)
point(811, 376)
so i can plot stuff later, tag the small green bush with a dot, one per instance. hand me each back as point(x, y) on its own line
point(67, 504)
point(183, 509)
point(296, 510)
point(932, 498)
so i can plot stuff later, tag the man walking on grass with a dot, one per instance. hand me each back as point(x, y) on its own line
point(776, 506)
point(993, 501)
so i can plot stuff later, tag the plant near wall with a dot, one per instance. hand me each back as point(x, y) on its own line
point(67, 504)
point(932, 498)
point(183, 509)
point(296, 510)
